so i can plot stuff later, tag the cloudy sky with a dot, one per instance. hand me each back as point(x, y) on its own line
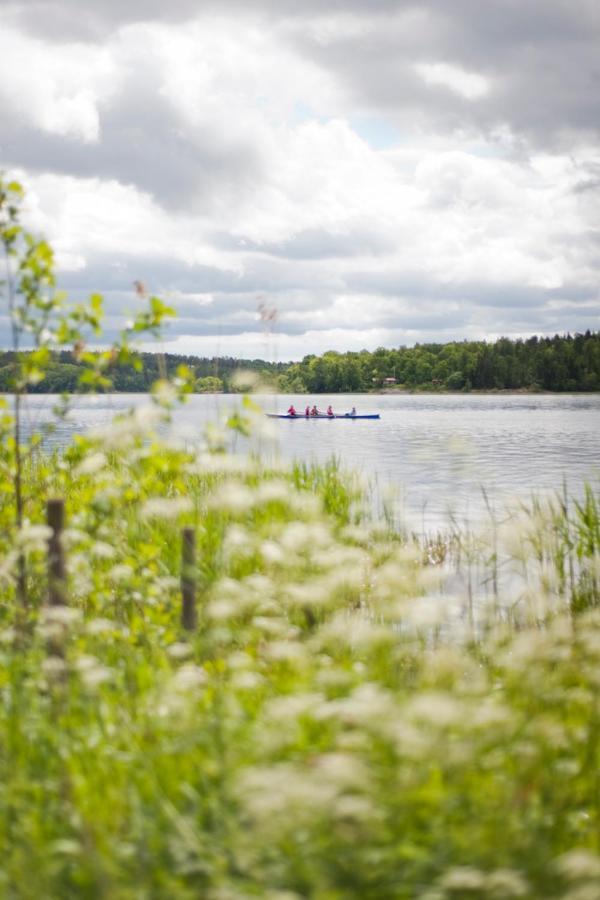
point(380, 172)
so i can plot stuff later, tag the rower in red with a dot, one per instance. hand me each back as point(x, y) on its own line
point(292, 411)
point(330, 411)
point(307, 411)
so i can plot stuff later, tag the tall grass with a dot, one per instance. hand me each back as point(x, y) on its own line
point(354, 716)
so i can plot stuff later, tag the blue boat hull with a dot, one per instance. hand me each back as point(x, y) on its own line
point(337, 416)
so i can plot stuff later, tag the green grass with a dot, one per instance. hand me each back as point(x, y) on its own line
point(338, 725)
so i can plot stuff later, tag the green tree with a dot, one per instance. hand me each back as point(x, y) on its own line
point(210, 384)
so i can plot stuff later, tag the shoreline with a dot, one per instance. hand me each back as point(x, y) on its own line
point(383, 391)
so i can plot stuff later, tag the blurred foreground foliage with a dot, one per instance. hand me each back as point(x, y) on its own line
point(338, 725)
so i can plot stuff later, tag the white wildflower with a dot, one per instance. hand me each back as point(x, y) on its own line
point(578, 864)
point(247, 680)
point(222, 609)
point(34, 537)
point(165, 583)
point(285, 792)
point(489, 713)
point(238, 660)
point(293, 706)
point(53, 667)
point(8, 565)
point(100, 626)
point(438, 709)
point(337, 557)
point(92, 464)
point(410, 741)
point(275, 491)
point(271, 626)
point(91, 671)
point(164, 393)
point(65, 847)
point(585, 891)
point(260, 585)
point(285, 651)
point(188, 677)
point(357, 534)
point(272, 553)
point(426, 612)
point(505, 883)
point(73, 536)
point(147, 416)
point(351, 807)
point(343, 770)
point(368, 705)
point(179, 650)
point(276, 895)
point(238, 538)
point(463, 878)
point(268, 607)
point(305, 505)
point(102, 550)
point(166, 507)
point(234, 498)
point(60, 615)
point(120, 573)
point(332, 678)
point(299, 537)
point(355, 631)
point(348, 577)
point(312, 594)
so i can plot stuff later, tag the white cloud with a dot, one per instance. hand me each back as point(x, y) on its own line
point(57, 89)
point(469, 85)
point(217, 159)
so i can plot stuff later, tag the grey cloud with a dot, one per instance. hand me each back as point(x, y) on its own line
point(62, 20)
point(314, 244)
point(69, 19)
point(143, 142)
point(541, 58)
point(159, 274)
point(424, 287)
point(302, 291)
point(544, 69)
point(163, 275)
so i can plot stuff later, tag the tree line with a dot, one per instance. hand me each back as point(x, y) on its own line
point(560, 363)
point(215, 374)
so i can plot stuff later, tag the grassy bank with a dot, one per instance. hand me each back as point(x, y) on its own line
point(339, 724)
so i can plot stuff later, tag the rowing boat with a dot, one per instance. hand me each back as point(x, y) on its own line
point(322, 416)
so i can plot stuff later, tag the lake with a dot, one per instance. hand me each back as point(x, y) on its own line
point(430, 455)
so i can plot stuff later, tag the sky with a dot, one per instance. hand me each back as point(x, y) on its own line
point(367, 173)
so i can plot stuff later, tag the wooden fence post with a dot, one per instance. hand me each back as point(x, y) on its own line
point(188, 578)
point(57, 573)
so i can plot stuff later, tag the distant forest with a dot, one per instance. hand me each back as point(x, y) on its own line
point(561, 363)
point(216, 374)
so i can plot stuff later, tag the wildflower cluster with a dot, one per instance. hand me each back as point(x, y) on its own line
point(348, 719)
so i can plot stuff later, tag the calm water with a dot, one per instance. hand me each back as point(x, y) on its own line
point(432, 453)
